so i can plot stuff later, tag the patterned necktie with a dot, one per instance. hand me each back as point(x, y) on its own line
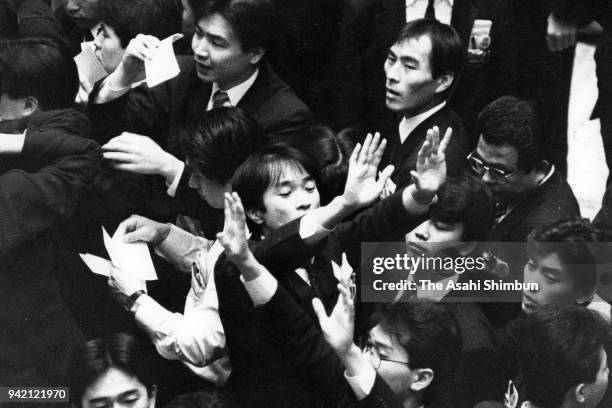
point(220, 98)
point(430, 12)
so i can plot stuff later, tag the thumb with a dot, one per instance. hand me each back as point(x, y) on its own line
point(319, 310)
point(385, 174)
point(134, 236)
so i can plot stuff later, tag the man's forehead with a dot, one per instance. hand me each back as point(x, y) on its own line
point(418, 48)
point(217, 25)
point(505, 154)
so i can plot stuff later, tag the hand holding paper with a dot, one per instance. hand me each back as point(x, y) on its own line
point(131, 259)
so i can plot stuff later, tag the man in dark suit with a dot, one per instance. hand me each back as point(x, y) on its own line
point(302, 264)
point(529, 190)
point(228, 68)
point(46, 165)
point(421, 68)
point(486, 31)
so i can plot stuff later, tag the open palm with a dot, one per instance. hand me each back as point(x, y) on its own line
point(430, 171)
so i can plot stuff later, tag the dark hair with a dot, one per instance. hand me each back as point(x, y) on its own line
point(509, 121)
point(332, 151)
point(219, 140)
point(467, 199)
point(40, 68)
point(447, 53)
point(96, 357)
point(429, 334)
point(253, 21)
point(160, 18)
point(569, 239)
point(558, 348)
point(263, 170)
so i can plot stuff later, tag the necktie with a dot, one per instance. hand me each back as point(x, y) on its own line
point(220, 98)
point(430, 12)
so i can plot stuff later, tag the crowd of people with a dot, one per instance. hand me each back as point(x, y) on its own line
point(295, 133)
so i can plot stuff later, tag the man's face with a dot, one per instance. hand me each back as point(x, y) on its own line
point(294, 195)
point(505, 158)
point(209, 190)
point(433, 236)
point(219, 55)
point(108, 48)
point(595, 391)
point(397, 374)
point(115, 388)
point(554, 283)
point(410, 85)
point(84, 13)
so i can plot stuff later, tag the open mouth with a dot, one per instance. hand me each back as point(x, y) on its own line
point(417, 248)
point(529, 301)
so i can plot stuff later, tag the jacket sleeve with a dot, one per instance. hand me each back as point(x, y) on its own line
point(34, 199)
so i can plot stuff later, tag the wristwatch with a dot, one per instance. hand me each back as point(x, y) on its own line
point(129, 302)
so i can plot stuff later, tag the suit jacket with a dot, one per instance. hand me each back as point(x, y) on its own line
point(404, 155)
point(370, 34)
point(39, 189)
point(260, 373)
point(159, 113)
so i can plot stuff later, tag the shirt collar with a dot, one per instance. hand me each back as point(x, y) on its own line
point(236, 93)
point(407, 125)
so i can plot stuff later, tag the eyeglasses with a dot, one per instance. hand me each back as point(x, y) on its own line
point(479, 167)
point(375, 357)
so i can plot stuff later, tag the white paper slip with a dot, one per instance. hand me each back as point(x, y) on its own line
point(163, 66)
point(130, 257)
point(89, 67)
point(97, 265)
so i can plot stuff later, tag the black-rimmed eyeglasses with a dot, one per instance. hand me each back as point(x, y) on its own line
point(479, 167)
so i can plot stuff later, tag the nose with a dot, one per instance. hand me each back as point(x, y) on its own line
point(391, 71)
point(486, 177)
point(531, 277)
point(199, 46)
point(98, 41)
point(422, 233)
point(303, 201)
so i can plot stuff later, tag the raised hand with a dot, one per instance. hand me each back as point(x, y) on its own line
point(338, 328)
point(140, 154)
point(362, 188)
point(233, 238)
point(138, 228)
point(140, 48)
point(430, 171)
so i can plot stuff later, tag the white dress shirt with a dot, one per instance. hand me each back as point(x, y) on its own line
point(407, 125)
point(415, 9)
point(195, 337)
point(236, 93)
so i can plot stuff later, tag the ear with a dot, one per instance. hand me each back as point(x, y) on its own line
point(421, 378)
point(542, 166)
point(255, 216)
point(465, 248)
point(257, 54)
point(586, 295)
point(152, 396)
point(579, 393)
point(444, 81)
point(29, 106)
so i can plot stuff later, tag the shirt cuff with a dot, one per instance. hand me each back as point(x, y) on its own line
point(173, 186)
point(362, 384)
point(261, 289)
point(309, 229)
point(149, 313)
point(12, 143)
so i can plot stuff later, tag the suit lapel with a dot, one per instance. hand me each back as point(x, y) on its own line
point(522, 210)
point(462, 19)
point(256, 95)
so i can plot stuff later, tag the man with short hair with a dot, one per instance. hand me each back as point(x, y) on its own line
point(46, 165)
point(529, 190)
point(421, 67)
point(561, 352)
point(512, 162)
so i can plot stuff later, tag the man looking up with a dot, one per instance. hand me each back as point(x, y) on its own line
point(421, 68)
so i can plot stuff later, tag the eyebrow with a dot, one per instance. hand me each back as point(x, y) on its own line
point(493, 165)
point(404, 58)
point(122, 395)
point(382, 346)
point(552, 271)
